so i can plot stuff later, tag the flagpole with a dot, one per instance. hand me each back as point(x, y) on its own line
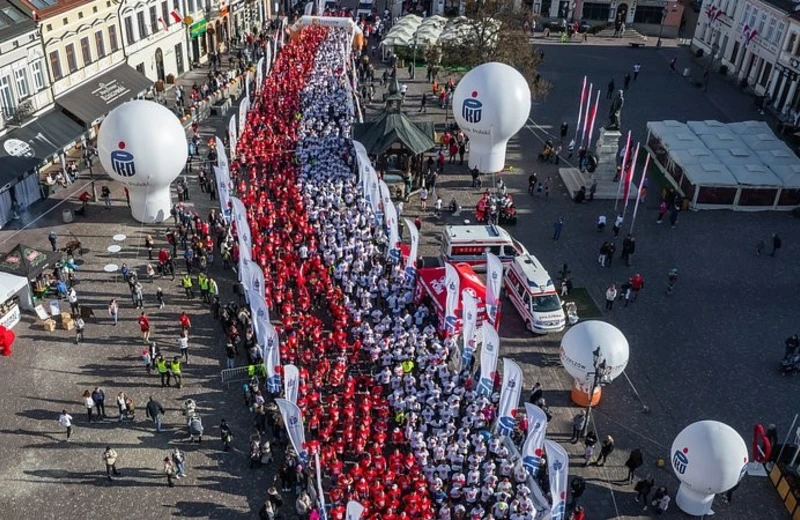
point(622, 171)
point(626, 191)
point(639, 194)
point(580, 109)
point(586, 119)
point(594, 116)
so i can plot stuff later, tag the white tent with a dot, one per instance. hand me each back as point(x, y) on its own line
point(11, 285)
point(735, 166)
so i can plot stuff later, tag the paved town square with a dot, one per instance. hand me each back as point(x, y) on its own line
point(708, 350)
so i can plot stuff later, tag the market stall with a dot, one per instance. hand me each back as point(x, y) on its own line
point(15, 293)
point(29, 264)
point(714, 165)
point(430, 284)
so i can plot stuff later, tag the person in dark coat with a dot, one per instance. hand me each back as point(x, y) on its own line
point(576, 487)
point(635, 460)
point(643, 489)
point(536, 393)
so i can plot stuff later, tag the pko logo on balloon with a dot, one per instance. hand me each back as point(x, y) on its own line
point(680, 461)
point(472, 109)
point(122, 161)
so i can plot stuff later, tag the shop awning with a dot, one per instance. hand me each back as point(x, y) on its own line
point(100, 95)
point(30, 146)
point(27, 261)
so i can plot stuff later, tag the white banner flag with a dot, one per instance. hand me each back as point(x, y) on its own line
point(222, 157)
point(534, 442)
point(354, 510)
point(489, 352)
point(494, 283)
point(509, 397)
point(247, 80)
point(558, 471)
point(268, 63)
point(293, 420)
point(242, 228)
point(386, 197)
point(252, 276)
point(411, 262)
point(291, 382)
point(374, 193)
point(321, 493)
point(223, 191)
point(469, 323)
point(260, 314)
point(232, 137)
point(393, 247)
point(453, 285)
point(244, 107)
point(259, 74)
point(272, 357)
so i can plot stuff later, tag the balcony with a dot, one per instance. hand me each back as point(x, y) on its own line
point(18, 115)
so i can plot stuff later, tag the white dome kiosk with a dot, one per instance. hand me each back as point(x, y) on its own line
point(490, 104)
point(708, 457)
point(143, 145)
point(591, 344)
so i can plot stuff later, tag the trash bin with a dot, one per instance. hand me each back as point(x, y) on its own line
point(67, 216)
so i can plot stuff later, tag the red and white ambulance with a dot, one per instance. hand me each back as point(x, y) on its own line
point(468, 244)
point(533, 293)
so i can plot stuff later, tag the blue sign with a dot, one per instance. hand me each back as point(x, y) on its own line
point(122, 163)
point(532, 464)
point(680, 461)
point(505, 425)
point(472, 109)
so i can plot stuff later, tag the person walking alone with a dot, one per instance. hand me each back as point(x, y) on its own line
point(154, 411)
point(99, 398)
point(144, 326)
point(170, 471)
point(643, 489)
point(179, 459)
point(110, 458)
point(611, 295)
point(72, 298)
point(88, 402)
point(65, 420)
point(558, 226)
point(605, 450)
point(635, 461)
point(113, 310)
point(776, 244)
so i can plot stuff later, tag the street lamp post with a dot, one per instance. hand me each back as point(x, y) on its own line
point(598, 379)
point(661, 28)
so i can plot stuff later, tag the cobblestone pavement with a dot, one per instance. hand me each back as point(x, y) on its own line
point(710, 350)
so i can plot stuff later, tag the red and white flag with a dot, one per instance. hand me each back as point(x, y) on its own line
point(176, 16)
point(580, 108)
point(592, 117)
point(629, 176)
point(711, 11)
point(749, 34)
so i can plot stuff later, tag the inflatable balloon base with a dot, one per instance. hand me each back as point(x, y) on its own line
point(7, 338)
point(581, 397)
point(693, 503)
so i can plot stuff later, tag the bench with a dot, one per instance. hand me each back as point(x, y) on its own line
point(636, 45)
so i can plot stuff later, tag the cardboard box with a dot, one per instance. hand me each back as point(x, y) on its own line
point(68, 324)
point(49, 325)
point(65, 316)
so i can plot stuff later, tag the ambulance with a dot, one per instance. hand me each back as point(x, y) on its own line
point(468, 244)
point(531, 290)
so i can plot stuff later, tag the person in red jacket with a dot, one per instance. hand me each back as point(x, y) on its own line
point(144, 326)
point(186, 323)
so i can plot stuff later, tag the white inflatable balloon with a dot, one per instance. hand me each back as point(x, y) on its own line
point(143, 145)
point(490, 104)
point(708, 457)
point(579, 343)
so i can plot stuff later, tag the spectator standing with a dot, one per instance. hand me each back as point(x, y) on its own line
point(88, 402)
point(154, 411)
point(65, 420)
point(113, 310)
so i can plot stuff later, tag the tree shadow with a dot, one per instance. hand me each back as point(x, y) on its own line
point(96, 478)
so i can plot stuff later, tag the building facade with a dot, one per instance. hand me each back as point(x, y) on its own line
point(154, 39)
point(746, 38)
point(785, 97)
point(24, 82)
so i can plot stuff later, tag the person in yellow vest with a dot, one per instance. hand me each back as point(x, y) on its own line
point(175, 370)
point(161, 367)
point(213, 290)
point(186, 282)
point(202, 281)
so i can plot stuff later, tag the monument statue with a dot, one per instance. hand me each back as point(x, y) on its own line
point(614, 113)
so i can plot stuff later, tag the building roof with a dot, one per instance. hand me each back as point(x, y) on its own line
point(744, 154)
point(391, 127)
point(14, 21)
point(45, 9)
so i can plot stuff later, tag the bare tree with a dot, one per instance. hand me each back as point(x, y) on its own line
point(494, 30)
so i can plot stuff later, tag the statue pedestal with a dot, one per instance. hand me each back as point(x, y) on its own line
point(606, 151)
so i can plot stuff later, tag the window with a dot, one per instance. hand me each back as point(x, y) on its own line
point(21, 79)
point(72, 62)
point(112, 38)
point(153, 20)
point(165, 14)
point(14, 14)
point(141, 24)
point(94, 9)
point(792, 41)
point(6, 96)
point(65, 21)
point(80, 15)
point(771, 28)
point(98, 42)
point(86, 51)
point(38, 75)
point(129, 30)
point(779, 33)
point(762, 22)
point(176, 6)
point(648, 14)
point(55, 66)
point(192, 5)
